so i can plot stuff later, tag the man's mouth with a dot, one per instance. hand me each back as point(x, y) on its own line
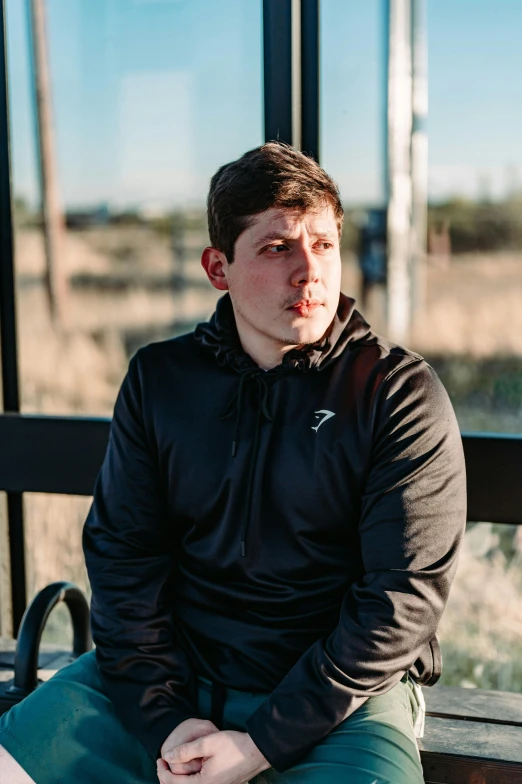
point(305, 307)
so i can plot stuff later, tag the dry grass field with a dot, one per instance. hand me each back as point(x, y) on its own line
point(123, 294)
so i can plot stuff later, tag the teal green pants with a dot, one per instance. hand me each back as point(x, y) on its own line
point(67, 731)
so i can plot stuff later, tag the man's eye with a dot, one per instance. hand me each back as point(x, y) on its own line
point(276, 248)
point(326, 245)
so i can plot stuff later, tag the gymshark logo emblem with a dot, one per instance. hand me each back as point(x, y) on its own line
point(327, 415)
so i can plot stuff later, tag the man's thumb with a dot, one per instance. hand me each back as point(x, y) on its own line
point(207, 729)
point(199, 730)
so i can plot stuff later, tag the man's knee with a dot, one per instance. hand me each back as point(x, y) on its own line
point(10, 771)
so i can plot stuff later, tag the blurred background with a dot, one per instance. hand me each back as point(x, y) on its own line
point(121, 111)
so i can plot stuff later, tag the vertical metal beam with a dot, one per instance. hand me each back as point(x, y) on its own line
point(277, 69)
point(10, 387)
point(7, 287)
point(419, 156)
point(296, 74)
point(291, 73)
point(310, 77)
point(15, 513)
point(399, 171)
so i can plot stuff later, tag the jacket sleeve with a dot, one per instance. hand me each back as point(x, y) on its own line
point(413, 513)
point(129, 551)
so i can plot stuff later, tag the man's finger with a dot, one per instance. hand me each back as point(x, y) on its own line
point(166, 777)
point(164, 774)
point(186, 752)
point(194, 766)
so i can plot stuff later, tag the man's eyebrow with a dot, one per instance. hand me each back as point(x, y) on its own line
point(271, 236)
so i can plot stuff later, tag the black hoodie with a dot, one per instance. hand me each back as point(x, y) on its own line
point(293, 531)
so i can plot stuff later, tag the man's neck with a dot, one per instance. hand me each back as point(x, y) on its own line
point(265, 355)
point(265, 352)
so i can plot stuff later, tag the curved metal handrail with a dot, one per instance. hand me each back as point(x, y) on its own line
point(33, 624)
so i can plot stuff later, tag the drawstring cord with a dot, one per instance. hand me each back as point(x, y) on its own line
point(235, 406)
point(250, 485)
point(236, 403)
point(217, 705)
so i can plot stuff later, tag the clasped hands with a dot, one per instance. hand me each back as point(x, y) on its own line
point(196, 752)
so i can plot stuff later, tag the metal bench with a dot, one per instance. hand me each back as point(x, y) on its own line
point(472, 736)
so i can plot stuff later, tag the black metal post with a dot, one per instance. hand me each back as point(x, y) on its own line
point(10, 388)
point(310, 78)
point(277, 52)
point(15, 514)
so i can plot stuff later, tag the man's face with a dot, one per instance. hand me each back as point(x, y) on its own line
point(285, 279)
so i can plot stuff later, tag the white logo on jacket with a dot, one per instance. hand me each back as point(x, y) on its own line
point(326, 415)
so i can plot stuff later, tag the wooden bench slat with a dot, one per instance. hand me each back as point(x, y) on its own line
point(445, 769)
point(475, 704)
point(478, 742)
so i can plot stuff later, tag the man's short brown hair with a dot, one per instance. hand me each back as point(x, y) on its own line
point(273, 175)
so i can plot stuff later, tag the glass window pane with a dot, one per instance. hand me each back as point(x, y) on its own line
point(351, 93)
point(53, 530)
point(351, 115)
point(472, 332)
point(481, 627)
point(148, 99)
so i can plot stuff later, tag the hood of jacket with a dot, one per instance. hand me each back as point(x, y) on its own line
point(221, 337)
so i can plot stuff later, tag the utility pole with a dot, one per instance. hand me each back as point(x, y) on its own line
point(56, 280)
point(399, 182)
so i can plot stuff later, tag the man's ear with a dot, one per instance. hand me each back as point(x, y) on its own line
point(215, 264)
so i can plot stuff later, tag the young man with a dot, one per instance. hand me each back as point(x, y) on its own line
point(274, 530)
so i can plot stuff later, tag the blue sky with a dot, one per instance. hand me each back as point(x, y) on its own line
point(151, 96)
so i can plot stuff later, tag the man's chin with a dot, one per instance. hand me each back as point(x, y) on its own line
point(309, 332)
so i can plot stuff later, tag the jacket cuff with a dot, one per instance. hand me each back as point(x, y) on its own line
point(273, 741)
point(155, 735)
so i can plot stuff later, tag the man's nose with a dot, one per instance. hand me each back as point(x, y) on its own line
point(306, 269)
